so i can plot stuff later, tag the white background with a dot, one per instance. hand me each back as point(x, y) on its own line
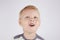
point(50, 18)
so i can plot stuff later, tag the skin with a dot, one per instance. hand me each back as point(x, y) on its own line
point(27, 18)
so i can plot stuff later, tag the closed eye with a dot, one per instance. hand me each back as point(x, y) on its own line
point(27, 17)
point(35, 17)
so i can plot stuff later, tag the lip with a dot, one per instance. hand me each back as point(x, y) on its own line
point(31, 25)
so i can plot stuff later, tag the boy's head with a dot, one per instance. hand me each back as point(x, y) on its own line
point(29, 19)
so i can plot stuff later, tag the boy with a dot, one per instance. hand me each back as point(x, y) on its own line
point(30, 21)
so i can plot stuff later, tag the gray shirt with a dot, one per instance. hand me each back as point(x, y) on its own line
point(21, 37)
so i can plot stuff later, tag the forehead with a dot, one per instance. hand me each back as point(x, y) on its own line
point(30, 12)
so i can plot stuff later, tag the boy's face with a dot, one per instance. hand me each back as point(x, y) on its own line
point(29, 20)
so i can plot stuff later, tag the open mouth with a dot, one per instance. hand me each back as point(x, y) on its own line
point(31, 25)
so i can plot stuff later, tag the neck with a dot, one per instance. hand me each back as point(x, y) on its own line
point(29, 35)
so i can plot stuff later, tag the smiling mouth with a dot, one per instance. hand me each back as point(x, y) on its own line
point(31, 25)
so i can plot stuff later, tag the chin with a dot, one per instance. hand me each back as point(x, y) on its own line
point(33, 31)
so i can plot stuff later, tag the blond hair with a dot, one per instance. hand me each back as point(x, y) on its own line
point(28, 7)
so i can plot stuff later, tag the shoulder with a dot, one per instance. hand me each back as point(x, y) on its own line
point(39, 37)
point(18, 36)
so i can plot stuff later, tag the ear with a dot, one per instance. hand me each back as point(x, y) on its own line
point(40, 22)
point(19, 21)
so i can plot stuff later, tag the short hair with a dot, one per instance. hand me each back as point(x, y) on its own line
point(28, 7)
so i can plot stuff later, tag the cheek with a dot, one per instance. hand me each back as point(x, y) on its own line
point(37, 23)
point(24, 23)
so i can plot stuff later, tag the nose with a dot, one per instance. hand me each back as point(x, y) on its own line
point(31, 19)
